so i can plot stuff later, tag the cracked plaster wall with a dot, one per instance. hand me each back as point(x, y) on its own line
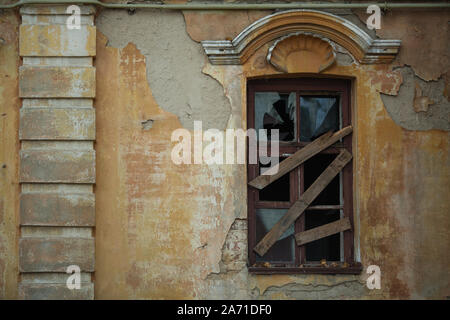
point(419, 104)
point(174, 64)
point(422, 103)
point(181, 230)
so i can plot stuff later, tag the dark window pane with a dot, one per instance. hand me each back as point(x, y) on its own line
point(277, 190)
point(313, 168)
point(318, 114)
point(276, 111)
point(284, 249)
point(326, 248)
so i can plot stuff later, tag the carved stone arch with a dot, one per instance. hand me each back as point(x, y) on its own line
point(321, 24)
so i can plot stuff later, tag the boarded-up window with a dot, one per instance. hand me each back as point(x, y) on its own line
point(300, 220)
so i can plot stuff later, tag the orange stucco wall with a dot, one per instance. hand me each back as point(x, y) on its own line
point(165, 231)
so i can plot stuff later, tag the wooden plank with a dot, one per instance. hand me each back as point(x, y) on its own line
point(322, 231)
point(313, 148)
point(303, 202)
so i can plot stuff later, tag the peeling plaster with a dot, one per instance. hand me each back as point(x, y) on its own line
point(234, 249)
point(181, 230)
point(419, 105)
point(139, 190)
point(425, 36)
point(379, 142)
point(191, 219)
point(174, 63)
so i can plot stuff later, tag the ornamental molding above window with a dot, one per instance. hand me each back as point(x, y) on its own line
point(284, 25)
point(301, 52)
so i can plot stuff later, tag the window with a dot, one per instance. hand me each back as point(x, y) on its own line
point(302, 110)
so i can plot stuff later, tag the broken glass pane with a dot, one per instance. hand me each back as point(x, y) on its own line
point(275, 110)
point(284, 249)
point(318, 114)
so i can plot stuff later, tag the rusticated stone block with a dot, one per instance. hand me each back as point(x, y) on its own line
point(54, 291)
point(57, 40)
point(55, 209)
point(56, 82)
point(57, 124)
point(55, 166)
point(55, 254)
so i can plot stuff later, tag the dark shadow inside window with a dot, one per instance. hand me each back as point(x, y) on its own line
point(326, 248)
point(277, 190)
point(312, 170)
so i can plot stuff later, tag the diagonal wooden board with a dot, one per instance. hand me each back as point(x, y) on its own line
point(322, 231)
point(303, 202)
point(319, 144)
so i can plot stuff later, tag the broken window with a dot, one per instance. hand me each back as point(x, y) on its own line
point(300, 219)
point(275, 110)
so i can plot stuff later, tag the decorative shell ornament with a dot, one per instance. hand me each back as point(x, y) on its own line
point(301, 53)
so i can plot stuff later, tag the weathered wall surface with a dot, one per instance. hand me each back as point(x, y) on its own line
point(175, 76)
point(181, 231)
point(139, 190)
point(57, 156)
point(424, 62)
point(9, 152)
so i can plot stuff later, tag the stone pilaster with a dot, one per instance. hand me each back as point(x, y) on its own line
point(57, 156)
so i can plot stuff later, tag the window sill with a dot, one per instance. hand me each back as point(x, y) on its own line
point(354, 268)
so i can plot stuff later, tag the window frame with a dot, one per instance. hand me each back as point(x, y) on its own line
point(302, 86)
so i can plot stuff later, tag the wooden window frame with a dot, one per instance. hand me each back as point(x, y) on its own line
point(302, 86)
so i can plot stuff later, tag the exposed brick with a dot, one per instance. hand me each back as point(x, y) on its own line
point(53, 291)
point(57, 40)
point(57, 124)
point(55, 254)
point(53, 209)
point(56, 82)
point(62, 166)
